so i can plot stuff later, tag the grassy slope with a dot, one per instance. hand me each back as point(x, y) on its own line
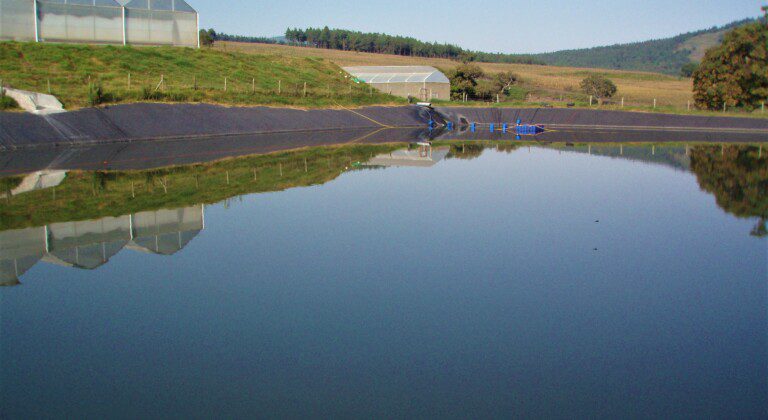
point(698, 45)
point(70, 69)
point(546, 83)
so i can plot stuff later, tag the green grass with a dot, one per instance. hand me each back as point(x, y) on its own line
point(74, 73)
point(93, 195)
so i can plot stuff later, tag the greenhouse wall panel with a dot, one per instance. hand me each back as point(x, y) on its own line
point(141, 22)
point(76, 23)
point(17, 21)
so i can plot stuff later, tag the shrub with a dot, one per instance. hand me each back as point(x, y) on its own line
point(96, 95)
point(6, 102)
point(598, 86)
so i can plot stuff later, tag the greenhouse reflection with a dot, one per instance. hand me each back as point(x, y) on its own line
point(90, 244)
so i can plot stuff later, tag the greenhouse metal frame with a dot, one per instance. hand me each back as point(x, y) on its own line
point(127, 22)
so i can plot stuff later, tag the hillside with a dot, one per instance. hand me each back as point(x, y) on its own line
point(543, 83)
point(666, 56)
point(85, 75)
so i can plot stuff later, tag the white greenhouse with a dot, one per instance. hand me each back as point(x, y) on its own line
point(422, 82)
point(135, 22)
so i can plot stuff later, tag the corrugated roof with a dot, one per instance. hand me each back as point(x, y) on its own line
point(109, 3)
point(397, 74)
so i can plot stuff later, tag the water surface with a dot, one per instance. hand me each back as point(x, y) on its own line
point(600, 281)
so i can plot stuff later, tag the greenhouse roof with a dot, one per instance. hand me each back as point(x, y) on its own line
point(167, 5)
point(110, 3)
point(397, 74)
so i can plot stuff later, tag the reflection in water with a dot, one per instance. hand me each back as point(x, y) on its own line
point(421, 156)
point(738, 178)
point(90, 244)
point(39, 180)
point(737, 175)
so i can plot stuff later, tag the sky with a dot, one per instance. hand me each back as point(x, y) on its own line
point(509, 26)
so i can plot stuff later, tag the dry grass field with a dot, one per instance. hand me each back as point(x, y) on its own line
point(546, 83)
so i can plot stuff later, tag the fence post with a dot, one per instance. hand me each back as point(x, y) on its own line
point(279, 87)
point(49, 86)
point(622, 102)
point(129, 80)
point(725, 104)
point(253, 85)
point(305, 89)
point(654, 103)
point(225, 84)
point(689, 105)
point(590, 100)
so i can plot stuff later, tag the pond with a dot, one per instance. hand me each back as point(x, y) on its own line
point(469, 279)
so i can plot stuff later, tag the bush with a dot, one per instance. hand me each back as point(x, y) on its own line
point(486, 91)
point(464, 80)
point(96, 95)
point(6, 102)
point(598, 86)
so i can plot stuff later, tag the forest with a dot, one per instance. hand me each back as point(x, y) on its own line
point(666, 55)
point(341, 39)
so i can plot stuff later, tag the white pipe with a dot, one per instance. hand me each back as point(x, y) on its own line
point(198, 29)
point(37, 28)
point(125, 34)
point(47, 242)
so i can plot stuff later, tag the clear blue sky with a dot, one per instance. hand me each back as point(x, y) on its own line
point(511, 26)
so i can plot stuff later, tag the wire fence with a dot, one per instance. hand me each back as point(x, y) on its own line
point(155, 85)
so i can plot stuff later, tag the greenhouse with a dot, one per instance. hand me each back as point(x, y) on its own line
point(422, 82)
point(135, 22)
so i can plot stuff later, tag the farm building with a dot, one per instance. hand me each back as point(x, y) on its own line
point(135, 22)
point(421, 82)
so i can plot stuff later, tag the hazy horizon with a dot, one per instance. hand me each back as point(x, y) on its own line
point(557, 25)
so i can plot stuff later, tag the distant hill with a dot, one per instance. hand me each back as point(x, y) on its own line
point(667, 55)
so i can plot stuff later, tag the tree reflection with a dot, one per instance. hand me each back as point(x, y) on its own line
point(466, 151)
point(737, 175)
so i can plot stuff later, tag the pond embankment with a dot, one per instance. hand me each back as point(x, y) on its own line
point(136, 122)
point(595, 119)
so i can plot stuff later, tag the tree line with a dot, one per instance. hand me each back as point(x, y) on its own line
point(210, 35)
point(345, 40)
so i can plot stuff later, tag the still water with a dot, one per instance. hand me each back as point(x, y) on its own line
point(513, 282)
